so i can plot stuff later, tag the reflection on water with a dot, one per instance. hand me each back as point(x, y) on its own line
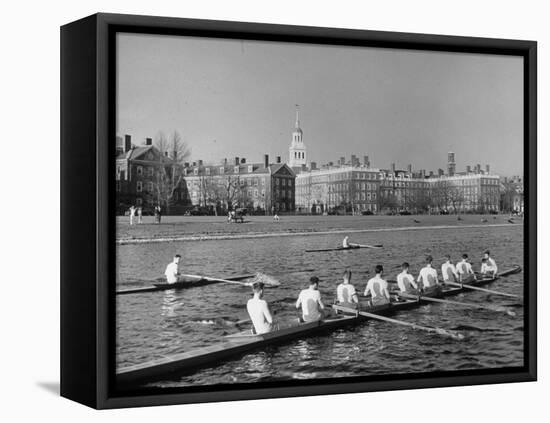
point(157, 324)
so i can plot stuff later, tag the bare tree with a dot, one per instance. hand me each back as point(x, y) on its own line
point(170, 172)
point(456, 198)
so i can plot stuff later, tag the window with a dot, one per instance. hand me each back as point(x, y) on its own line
point(139, 201)
point(139, 186)
point(151, 171)
point(222, 170)
point(139, 170)
point(276, 181)
point(236, 169)
point(196, 171)
point(207, 170)
point(250, 168)
point(150, 187)
point(283, 182)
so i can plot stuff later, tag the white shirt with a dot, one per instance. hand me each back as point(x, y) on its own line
point(448, 270)
point(345, 293)
point(345, 243)
point(428, 276)
point(171, 272)
point(464, 268)
point(378, 287)
point(259, 314)
point(488, 268)
point(309, 300)
point(491, 265)
point(405, 282)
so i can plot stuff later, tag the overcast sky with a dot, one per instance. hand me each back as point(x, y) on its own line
point(232, 98)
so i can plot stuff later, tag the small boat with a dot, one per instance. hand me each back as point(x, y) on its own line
point(245, 341)
point(351, 247)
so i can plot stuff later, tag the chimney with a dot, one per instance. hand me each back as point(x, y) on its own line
point(440, 172)
point(487, 168)
point(266, 160)
point(236, 161)
point(330, 163)
point(468, 169)
point(393, 168)
point(127, 143)
point(148, 141)
point(186, 164)
point(313, 165)
point(354, 161)
point(431, 173)
point(278, 159)
point(166, 154)
point(478, 168)
point(366, 161)
point(342, 161)
point(409, 168)
point(194, 164)
point(200, 162)
point(423, 173)
point(243, 160)
point(224, 161)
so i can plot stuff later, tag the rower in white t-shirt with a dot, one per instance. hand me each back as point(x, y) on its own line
point(345, 292)
point(464, 269)
point(428, 275)
point(378, 288)
point(491, 268)
point(310, 301)
point(258, 310)
point(448, 270)
point(172, 271)
point(405, 281)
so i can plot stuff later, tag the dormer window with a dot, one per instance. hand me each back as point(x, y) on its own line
point(196, 171)
point(222, 170)
point(250, 168)
point(207, 170)
point(236, 169)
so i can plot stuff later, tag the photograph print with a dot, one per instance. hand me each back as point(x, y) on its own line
point(291, 213)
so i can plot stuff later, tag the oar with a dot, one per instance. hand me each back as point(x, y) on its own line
point(439, 331)
point(477, 288)
point(498, 309)
point(368, 246)
point(206, 278)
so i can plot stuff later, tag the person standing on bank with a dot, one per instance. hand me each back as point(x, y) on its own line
point(132, 214)
point(258, 310)
point(172, 271)
point(310, 301)
point(139, 215)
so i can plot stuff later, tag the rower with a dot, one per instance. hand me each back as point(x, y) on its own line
point(448, 270)
point(172, 270)
point(428, 276)
point(405, 281)
point(378, 288)
point(258, 310)
point(465, 271)
point(310, 301)
point(345, 242)
point(345, 292)
point(491, 267)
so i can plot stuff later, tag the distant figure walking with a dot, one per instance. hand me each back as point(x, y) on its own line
point(157, 213)
point(172, 271)
point(276, 217)
point(132, 214)
point(140, 215)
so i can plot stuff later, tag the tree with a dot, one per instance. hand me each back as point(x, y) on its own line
point(456, 198)
point(170, 172)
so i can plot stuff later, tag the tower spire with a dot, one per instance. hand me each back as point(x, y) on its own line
point(297, 117)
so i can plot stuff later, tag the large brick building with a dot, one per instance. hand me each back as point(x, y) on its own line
point(262, 187)
point(136, 177)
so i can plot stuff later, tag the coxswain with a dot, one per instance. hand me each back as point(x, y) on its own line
point(258, 310)
point(345, 292)
point(428, 276)
point(310, 301)
point(172, 271)
point(491, 267)
point(465, 271)
point(448, 270)
point(378, 288)
point(405, 281)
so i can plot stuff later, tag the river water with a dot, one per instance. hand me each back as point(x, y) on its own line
point(156, 324)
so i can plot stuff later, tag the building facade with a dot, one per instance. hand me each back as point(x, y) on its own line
point(260, 187)
point(138, 172)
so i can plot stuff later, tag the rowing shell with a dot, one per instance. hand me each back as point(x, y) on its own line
point(239, 343)
point(351, 247)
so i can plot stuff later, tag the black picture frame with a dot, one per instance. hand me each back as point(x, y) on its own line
point(87, 221)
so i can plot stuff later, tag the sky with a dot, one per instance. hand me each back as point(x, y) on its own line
point(232, 98)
